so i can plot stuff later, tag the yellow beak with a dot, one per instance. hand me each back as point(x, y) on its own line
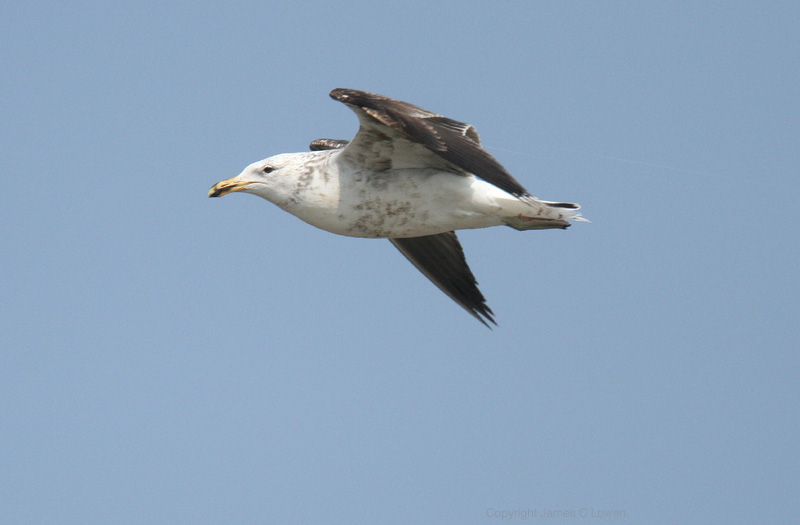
point(226, 186)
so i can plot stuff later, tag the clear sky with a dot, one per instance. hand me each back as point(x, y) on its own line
point(172, 358)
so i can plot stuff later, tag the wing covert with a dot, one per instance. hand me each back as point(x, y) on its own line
point(456, 142)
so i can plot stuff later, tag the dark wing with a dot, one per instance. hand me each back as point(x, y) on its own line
point(321, 144)
point(441, 258)
point(456, 143)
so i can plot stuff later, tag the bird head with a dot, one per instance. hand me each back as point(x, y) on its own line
point(271, 178)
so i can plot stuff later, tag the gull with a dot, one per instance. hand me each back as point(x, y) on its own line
point(411, 176)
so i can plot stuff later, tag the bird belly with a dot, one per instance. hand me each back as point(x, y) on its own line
point(398, 204)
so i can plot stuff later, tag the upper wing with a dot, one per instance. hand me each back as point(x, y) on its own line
point(321, 144)
point(398, 134)
point(441, 258)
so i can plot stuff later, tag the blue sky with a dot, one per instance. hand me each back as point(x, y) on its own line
point(171, 358)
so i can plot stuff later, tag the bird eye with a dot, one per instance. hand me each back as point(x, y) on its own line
point(267, 169)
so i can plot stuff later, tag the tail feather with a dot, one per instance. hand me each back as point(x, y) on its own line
point(535, 223)
point(567, 211)
point(568, 205)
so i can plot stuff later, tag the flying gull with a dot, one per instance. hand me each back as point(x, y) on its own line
point(411, 176)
